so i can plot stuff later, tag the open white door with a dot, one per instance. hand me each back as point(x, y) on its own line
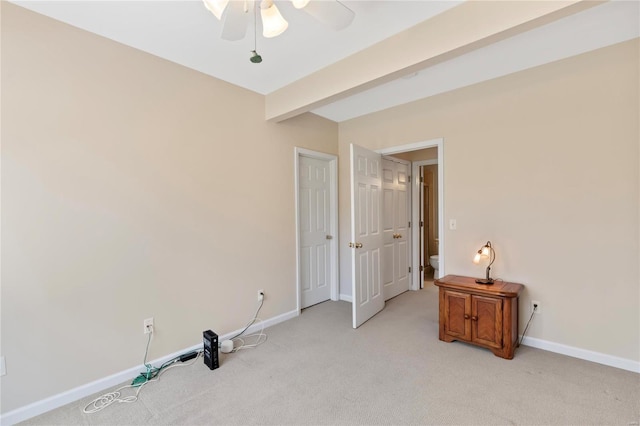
point(396, 205)
point(366, 234)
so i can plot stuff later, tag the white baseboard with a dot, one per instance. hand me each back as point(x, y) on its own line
point(346, 298)
point(75, 394)
point(587, 355)
point(55, 401)
point(267, 323)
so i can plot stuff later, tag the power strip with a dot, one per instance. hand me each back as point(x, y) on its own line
point(210, 343)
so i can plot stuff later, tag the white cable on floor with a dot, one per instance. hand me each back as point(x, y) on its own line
point(261, 338)
point(109, 398)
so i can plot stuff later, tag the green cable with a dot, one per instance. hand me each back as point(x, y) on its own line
point(152, 372)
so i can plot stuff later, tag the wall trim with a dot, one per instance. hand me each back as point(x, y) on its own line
point(415, 146)
point(584, 354)
point(346, 298)
point(40, 407)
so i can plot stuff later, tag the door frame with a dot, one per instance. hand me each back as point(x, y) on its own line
point(333, 218)
point(415, 212)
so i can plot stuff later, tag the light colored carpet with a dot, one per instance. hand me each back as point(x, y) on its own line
point(315, 369)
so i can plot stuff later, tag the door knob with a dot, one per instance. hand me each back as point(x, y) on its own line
point(351, 245)
point(358, 245)
point(474, 318)
point(329, 237)
point(466, 316)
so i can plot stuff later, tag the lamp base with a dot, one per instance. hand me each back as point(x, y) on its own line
point(487, 281)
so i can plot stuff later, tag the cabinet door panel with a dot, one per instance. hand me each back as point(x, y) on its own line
point(457, 307)
point(487, 321)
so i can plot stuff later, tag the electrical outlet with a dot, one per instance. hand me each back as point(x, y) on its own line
point(538, 307)
point(148, 326)
point(260, 295)
point(3, 366)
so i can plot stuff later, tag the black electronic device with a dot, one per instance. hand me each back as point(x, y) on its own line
point(210, 340)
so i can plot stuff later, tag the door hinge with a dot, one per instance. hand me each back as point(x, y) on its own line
point(409, 178)
point(409, 269)
point(421, 179)
point(409, 224)
point(421, 268)
point(421, 224)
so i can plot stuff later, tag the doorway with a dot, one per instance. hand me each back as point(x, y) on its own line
point(408, 152)
point(316, 227)
point(429, 219)
point(366, 223)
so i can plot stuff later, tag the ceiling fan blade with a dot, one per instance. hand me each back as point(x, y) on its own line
point(331, 13)
point(236, 20)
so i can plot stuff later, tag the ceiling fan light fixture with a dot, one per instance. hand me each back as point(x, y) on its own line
point(299, 4)
point(216, 7)
point(273, 24)
point(255, 57)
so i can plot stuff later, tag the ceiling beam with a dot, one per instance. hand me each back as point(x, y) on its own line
point(462, 29)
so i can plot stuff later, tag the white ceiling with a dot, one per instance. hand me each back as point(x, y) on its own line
point(186, 33)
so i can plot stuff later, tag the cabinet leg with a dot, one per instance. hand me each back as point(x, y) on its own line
point(502, 353)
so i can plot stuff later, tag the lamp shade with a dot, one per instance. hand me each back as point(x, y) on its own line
point(477, 257)
point(299, 4)
point(216, 7)
point(273, 24)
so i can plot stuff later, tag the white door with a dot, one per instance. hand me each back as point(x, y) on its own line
point(366, 234)
point(395, 218)
point(315, 230)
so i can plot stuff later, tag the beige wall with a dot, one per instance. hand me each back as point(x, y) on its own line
point(129, 190)
point(126, 194)
point(544, 163)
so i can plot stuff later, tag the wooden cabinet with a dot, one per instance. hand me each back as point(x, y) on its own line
point(481, 314)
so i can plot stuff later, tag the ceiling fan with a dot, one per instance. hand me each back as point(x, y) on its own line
point(237, 13)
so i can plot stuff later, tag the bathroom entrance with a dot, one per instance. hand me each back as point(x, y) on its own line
point(427, 196)
point(429, 220)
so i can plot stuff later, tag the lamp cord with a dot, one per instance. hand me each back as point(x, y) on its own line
point(525, 329)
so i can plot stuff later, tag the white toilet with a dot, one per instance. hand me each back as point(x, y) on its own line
point(435, 264)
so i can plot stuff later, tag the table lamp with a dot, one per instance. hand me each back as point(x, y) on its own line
point(486, 251)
